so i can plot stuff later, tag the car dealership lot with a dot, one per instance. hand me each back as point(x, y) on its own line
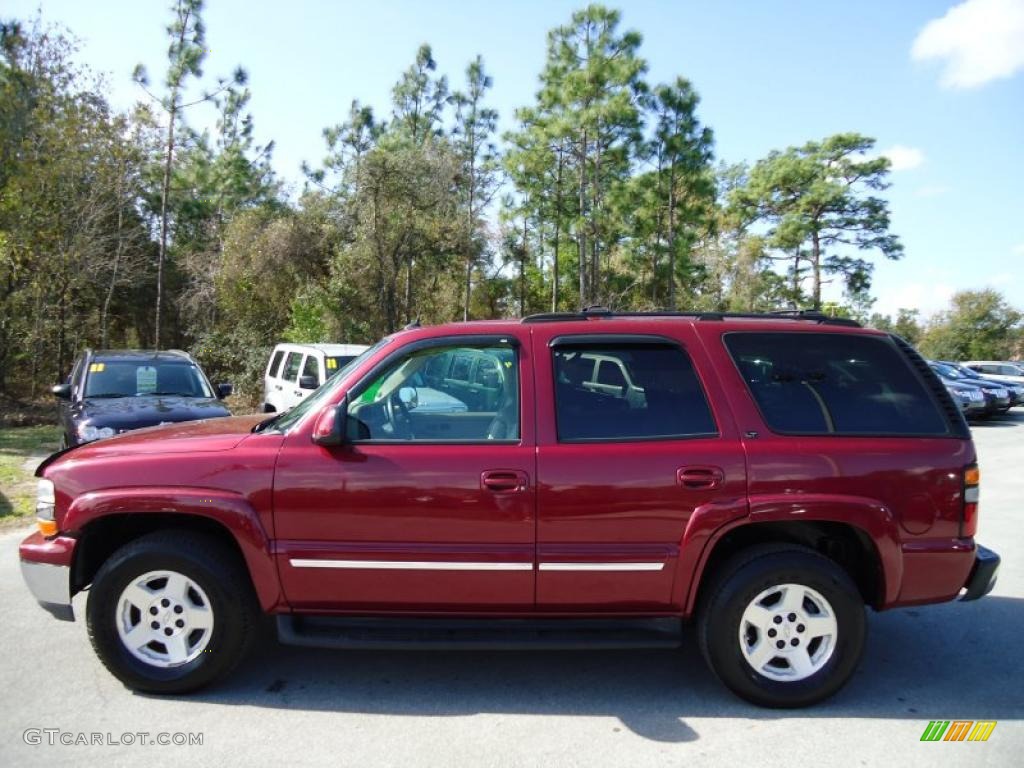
point(303, 707)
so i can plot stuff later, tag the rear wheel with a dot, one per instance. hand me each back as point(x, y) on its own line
point(782, 626)
point(171, 612)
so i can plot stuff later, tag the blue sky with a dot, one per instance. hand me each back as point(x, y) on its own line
point(940, 84)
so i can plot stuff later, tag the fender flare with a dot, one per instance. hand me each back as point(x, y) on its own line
point(874, 519)
point(231, 510)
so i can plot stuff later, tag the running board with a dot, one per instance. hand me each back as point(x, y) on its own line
point(477, 634)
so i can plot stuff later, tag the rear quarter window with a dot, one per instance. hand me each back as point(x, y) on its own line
point(834, 384)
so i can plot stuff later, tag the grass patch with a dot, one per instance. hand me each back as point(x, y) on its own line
point(17, 485)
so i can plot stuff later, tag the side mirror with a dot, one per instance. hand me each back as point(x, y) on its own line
point(408, 397)
point(224, 390)
point(329, 429)
point(308, 382)
point(63, 391)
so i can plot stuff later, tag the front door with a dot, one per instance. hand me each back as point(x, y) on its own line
point(623, 467)
point(431, 503)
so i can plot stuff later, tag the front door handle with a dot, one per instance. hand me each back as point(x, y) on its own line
point(504, 480)
point(700, 478)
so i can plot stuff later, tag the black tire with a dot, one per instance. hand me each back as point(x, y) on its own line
point(268, 408)
point(737, 582)
point(219, 572)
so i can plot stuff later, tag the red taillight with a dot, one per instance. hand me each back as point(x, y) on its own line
point(969, 521)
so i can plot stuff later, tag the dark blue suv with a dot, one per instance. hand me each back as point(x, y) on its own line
point(113, 391)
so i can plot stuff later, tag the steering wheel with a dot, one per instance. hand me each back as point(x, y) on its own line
point(393, 406)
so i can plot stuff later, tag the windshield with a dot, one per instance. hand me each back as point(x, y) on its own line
point(285, 421)
point(947, 371)
point(145, 378)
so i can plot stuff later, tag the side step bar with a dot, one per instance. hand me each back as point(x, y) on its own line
point(476, 634)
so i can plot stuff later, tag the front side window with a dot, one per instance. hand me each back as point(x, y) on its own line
point(667, 401)
point(610, 375)
point(311, 368)
point(409, 401)
point(821, 384)
point(126, 378)
point(291, 366)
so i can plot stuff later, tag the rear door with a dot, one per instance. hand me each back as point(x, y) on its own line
point(620, 477)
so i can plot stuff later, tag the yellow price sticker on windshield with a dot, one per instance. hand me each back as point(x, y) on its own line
point(332, 363)
point(96, 367)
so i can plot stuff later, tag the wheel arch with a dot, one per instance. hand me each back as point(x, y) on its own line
point(103, 522)
point(859, 534)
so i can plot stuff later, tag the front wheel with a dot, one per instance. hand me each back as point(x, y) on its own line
point(782, 626)
point(171, 612)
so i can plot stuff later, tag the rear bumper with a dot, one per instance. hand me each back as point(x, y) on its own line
point(983, 574)
point(46, 568)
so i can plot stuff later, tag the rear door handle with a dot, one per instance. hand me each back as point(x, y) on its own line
point(700, 478)
point(504, 480)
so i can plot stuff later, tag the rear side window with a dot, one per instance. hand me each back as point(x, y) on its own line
point(291, 366)
point(275, 363)
point(668, 403)
point(823, 384)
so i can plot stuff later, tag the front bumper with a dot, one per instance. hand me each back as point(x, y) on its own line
point(983, 574)
point(46, 568)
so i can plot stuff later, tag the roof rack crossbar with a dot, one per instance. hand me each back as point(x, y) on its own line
point(810, 315)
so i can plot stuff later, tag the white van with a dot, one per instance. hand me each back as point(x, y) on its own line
point(295, 370)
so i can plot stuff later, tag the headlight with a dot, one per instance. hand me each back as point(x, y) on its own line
point(88, 433)
point(45, 501)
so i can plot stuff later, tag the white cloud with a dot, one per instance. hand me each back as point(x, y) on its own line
point(1018, 249)
point(978, 41)
point(927, 297)
point(903, 158)
point(932, 190)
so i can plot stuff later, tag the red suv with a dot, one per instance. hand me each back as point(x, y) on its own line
point(570, 480)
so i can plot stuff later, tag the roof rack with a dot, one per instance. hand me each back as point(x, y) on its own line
point(587, 313)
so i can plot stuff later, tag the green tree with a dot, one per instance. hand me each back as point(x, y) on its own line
point(682, 149)
point(817, 204)
point(589, 103)
point(66, 204)
point(185, 55)
point(419, 98)
point(980, 325)
point(474, 128)
point(906, 324)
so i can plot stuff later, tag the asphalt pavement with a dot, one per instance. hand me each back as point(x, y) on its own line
point(298, 707)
